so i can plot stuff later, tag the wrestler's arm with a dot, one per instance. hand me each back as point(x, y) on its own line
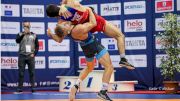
point(70, 3)
point(55, 37)
point(86, 27)
point(63, 10)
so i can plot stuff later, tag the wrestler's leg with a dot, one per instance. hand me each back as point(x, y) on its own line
point(113, 31)
point(106, 62)
point(84, 73)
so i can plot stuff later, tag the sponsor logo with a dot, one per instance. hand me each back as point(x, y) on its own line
point(41, 45)
point(111, 9)
point(37, 27)
point(63, 46)
point(111, 46)
point(94, 6)
point(25, 84)
point(135, 25)
point(164, 6)
point(178, 5)
point(158, 59)
point(137, 7)
point(59, 62)
point(10, 27)
point(137, 60)
point(109, 43)
point(82, 62)
point(9, 62)
point(48, 83)
point(9, 45)
point(134, 43)
point(40, 62)
point(159, 23)
point(116, 23)
point(32, 10)
point(10, 10)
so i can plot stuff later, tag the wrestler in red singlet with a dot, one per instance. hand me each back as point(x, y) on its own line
point(79, 17)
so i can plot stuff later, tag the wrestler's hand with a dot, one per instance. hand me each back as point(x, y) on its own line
point(49, 32)
point(64, 12)
point(32, 55)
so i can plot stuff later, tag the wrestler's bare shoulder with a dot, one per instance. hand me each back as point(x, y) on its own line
point(78, 28)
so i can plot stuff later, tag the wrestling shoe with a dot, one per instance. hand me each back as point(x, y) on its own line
point(103, 95)
point(124, 63)
point(73, 92)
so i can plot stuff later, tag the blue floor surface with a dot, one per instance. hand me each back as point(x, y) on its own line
point(60, 95)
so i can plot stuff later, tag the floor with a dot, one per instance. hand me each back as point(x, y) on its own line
point(61, 96)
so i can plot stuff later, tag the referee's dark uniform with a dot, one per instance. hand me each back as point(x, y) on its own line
point(28, 45)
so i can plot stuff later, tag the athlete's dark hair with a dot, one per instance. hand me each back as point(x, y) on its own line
point(52, 10)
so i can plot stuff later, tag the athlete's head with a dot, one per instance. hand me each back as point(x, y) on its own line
point(52, 10)
point(63, 29)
